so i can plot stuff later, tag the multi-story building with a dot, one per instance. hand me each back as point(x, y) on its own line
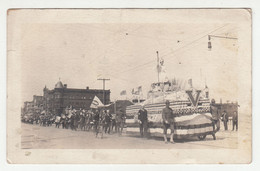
point(61, 97)
point(28, 106)
point(37, 101)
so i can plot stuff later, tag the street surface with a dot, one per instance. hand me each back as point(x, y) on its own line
point(38, 137)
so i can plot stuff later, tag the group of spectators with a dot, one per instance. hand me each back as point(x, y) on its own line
point(224, 117)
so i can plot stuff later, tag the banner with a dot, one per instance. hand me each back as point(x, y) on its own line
point(96, 102)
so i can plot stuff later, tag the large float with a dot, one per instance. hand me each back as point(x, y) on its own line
point(190, 106)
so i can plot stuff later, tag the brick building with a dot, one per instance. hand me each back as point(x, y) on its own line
point(56, 100)
point(37, 101)
point(27, 107)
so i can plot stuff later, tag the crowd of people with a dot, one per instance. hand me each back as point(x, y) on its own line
point(102, 121)
point(98, 120)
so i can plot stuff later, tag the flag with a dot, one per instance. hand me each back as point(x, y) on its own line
point(137, 90)
point(96, 102)
point(134, 91)
point(190, 82)
point(140, 89)
point(123, 92)
point(160, 65)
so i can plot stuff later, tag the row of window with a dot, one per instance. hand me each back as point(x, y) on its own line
point(57, 96)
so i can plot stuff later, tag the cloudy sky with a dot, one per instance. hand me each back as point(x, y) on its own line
point(79, 46)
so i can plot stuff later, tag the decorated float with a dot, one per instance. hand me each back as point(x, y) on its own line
point(191, 108)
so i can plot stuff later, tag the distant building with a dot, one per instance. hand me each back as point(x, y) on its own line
point(230, 108)
point(61, 97)
point(28, 106)
point(37, 101)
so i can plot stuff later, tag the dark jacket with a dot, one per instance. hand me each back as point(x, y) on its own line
point(142, 115)
point(235, 117)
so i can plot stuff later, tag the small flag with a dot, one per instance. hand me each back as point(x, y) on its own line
point(190, 82)
point(123, 92)
point(140, 89)
point(160, 65)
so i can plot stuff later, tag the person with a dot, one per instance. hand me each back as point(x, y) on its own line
point(96, 121)
point(72, 122)
point(76, 120)
point(108, 118)
point(57, 121)
point(100, 124)
point(168, 121)
point(90, 118)
point(235, 121)
point(120, 122)
point(225, 120)
point(113, 123)
point(143, 121)
point(82, 122)
point(215, 117)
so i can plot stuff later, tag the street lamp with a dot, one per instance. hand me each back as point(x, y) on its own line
point(209, 42)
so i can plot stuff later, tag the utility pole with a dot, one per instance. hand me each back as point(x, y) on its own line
point(104, 82)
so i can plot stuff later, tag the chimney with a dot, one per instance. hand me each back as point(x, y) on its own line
point(87, 87)
point(65, 85)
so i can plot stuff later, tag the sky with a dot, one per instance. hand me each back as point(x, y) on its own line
point(78, 47)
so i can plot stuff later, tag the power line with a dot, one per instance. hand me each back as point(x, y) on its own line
point(196, 40)
point(149, 62)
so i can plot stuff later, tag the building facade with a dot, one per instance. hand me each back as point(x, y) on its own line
point(61, 97)
point(37, 101)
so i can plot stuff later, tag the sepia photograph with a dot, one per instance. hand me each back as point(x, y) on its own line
point(129, 86)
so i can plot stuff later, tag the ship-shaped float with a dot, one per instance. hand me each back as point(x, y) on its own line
point(190, 106)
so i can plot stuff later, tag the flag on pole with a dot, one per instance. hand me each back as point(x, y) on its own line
point(137, 90)
point(190, 82)
point(96, 102)
point(140, 89)
point(160, 65)
point(123, 92)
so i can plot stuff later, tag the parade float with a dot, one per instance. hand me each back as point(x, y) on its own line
point(191, 108)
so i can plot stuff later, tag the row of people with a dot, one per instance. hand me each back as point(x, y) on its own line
point(99, 121)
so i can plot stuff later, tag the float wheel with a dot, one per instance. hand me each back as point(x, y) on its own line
point(202, 137)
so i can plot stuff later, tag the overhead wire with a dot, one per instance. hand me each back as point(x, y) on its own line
point(149, 62)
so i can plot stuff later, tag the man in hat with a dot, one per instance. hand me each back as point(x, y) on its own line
point(168, 121)
point(235, 120)
point(225, 120)
point(108, 119)
point(215, 117)
point(120, 121)
point(143, 121)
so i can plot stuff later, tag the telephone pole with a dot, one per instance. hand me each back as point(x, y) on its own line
point(104, 82)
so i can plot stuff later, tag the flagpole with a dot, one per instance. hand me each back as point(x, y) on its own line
point(158, 65)
point(115, 106)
